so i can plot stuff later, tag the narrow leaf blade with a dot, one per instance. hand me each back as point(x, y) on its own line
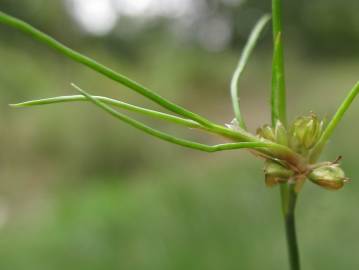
point(247, 51)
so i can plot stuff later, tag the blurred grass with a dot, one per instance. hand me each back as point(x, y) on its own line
point(95, 194)
point(181, 217)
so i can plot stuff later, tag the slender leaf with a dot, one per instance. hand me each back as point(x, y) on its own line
point(247, 51)
point(51, 42)
point(113, 102)
point(334, 123)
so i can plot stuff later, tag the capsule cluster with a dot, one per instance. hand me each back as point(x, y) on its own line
point(301, 136)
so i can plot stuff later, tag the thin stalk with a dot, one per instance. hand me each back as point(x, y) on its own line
point(278, 78)
point(317, 150)
point(167, 137)
point(274, 149)
point(289, 217)
point(289, 198)
point(80, 58)
point(278, 104)
point(250, 140)
point(247, 51)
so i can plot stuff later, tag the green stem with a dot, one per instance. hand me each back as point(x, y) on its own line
point(278, 80)
point(289, 203)
point(278, 104)
point(289, 199)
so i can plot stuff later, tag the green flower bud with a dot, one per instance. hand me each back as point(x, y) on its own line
point(281, 135)
point(266, 132)
point(276, 173)
point(278, 134)
point(331, 177)
point(305, 132)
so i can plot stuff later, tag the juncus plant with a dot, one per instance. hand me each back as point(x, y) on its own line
point(290, 152)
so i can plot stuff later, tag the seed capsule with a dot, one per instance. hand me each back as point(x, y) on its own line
point(331, 177)
point(305, 132)
point(276, 173)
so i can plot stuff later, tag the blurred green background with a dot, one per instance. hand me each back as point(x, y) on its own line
point(80, 190)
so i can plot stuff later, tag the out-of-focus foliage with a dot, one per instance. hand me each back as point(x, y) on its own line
point(80, 190)
point(320, 26)
point(51, 16)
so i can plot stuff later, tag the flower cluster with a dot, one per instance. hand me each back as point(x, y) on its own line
point(302, 136)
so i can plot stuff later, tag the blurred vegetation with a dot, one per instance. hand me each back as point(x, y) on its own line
point(79, 190)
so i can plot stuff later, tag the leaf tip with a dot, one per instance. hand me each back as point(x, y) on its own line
point(78, 89)
point(17, 105)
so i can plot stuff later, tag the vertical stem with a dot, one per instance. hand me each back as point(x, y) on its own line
point(289, 216)
point(278, 104)
point(278, 99)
